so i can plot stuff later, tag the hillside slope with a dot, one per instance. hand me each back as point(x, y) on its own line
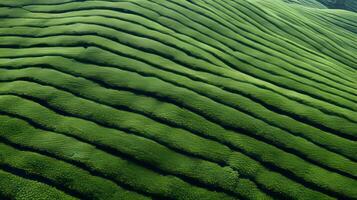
point(177, 99)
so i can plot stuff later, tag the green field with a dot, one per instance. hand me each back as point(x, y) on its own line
point(178, 99)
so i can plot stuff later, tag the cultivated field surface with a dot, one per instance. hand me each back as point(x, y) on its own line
point(178, 99)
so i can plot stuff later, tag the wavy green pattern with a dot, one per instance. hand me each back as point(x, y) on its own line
point(178, 99)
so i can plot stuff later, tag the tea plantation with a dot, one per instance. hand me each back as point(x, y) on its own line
point(178, 99)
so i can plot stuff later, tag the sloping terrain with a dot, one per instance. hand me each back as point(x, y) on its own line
point(177, 99)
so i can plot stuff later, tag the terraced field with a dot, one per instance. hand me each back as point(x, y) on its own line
point(178, 99)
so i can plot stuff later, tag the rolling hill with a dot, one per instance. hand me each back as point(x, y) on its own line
point(178, 99)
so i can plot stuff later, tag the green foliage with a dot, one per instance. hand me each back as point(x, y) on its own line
point(172, 99)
